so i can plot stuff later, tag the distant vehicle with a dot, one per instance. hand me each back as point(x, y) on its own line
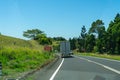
point(65, 49)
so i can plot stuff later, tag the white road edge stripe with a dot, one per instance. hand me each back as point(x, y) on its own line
point(104, 59)
point(52, 77)
point(107, 67)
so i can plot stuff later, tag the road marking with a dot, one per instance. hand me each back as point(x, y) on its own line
point(52, 77)
point(104, 59)
point(107, 67)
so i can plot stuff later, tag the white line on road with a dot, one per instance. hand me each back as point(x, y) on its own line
point(107, 67)
point(104, 59)
point(52, 77)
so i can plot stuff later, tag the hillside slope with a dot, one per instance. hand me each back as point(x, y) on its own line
point(18, 55)
point(7, 41)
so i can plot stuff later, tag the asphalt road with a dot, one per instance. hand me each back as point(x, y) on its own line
point(81, 68)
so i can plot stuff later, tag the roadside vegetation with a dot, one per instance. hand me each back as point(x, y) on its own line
point(20, 56)
point(98, 39)
point(108, 56)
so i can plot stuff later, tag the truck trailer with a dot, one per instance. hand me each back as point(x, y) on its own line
point(65, 49)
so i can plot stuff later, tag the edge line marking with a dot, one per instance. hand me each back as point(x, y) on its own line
point(56, 71)
point(104, 66)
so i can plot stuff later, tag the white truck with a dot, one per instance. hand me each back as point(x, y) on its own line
point(65, 49)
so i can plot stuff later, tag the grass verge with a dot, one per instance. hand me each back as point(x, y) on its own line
point(17, 61)
point(114, 57)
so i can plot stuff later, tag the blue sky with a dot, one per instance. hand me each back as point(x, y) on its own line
point(54, 17)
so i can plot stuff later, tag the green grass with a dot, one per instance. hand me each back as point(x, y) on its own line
point(10, 41)
point(6, 41)
point(19, 56)
point(108, 56)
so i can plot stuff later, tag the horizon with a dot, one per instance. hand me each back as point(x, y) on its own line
point(60, 18)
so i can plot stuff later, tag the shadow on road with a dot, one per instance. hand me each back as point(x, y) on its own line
point(68, 57)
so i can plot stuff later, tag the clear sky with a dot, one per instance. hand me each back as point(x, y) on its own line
point(54, 17)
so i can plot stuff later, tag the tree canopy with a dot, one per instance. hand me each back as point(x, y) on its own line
point(98, 39)
point(59, 38)
point(37, 35)
point(32, 33)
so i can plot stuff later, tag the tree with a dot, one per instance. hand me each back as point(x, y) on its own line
point(114, 35)
point(83, 37)
point(81, 44)
point(99, 39)
point(83, 32)
point(73, 43)
point(32, 33)
point(59, 39)
point(98, 28)
point(43, 39)
point(90, 43)
point(37, 35)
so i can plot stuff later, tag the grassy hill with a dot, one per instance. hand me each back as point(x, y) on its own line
point(11, 42)
point(18, 55)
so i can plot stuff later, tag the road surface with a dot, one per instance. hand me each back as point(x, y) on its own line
point(82, 68)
